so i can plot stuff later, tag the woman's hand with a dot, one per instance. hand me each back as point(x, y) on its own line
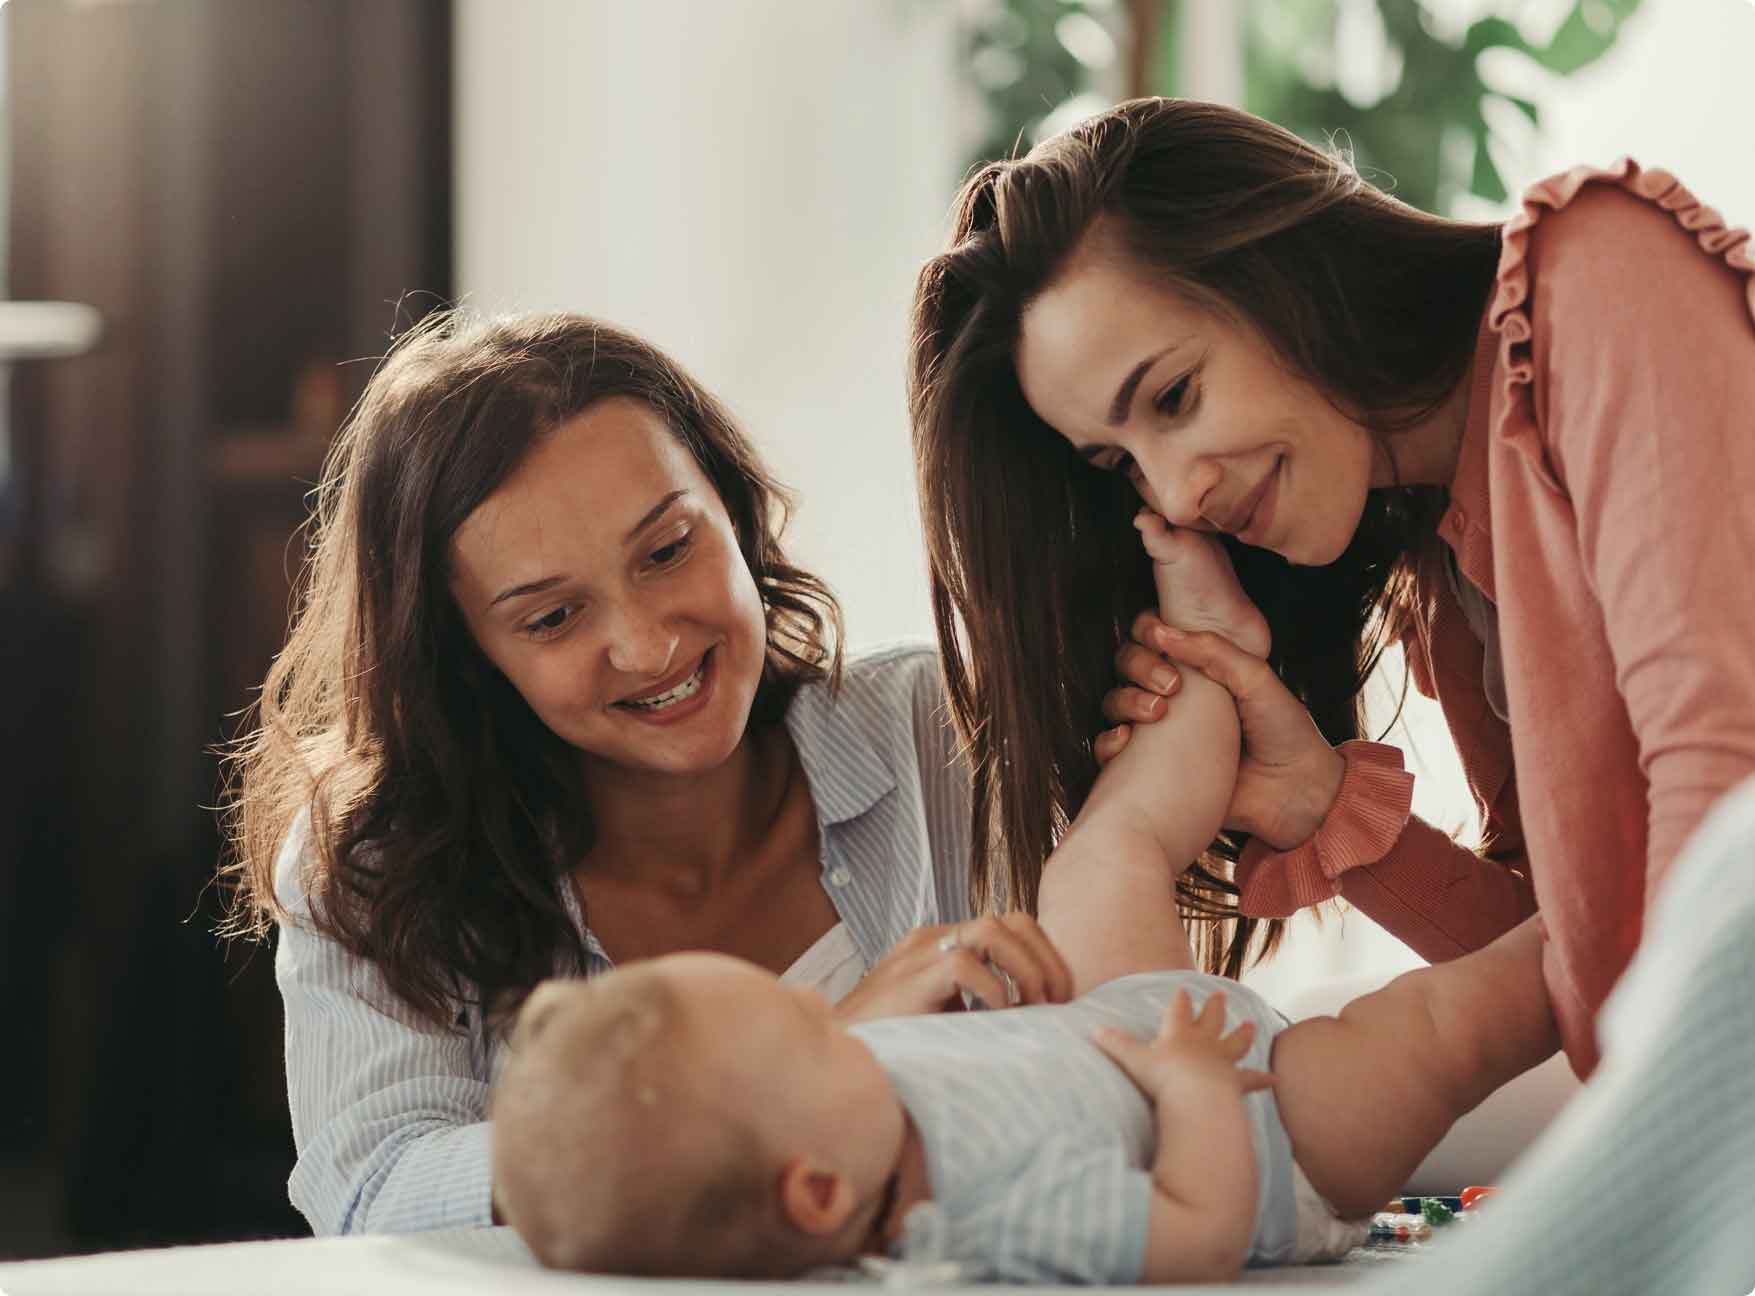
point(1289, 775)
point(931, 967)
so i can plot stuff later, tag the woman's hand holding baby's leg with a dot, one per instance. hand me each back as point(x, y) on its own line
point(1108, 894)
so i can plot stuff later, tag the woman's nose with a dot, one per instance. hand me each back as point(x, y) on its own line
point(1173, 489)
point(641, 645)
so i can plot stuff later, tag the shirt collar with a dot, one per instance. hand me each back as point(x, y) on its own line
point(1465, 526)
point(847, 774)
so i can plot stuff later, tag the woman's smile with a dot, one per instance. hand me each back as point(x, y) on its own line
point(659, 635)
point(1100, 345)
point(676, 698)
point(1256, 516)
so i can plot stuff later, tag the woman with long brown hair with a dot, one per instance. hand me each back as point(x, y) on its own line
point(554, 700)
point(1524, 451)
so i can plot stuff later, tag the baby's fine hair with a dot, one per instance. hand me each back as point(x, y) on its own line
point(614, 1152)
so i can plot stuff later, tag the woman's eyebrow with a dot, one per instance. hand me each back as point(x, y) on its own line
point(529, 587)
point(548, 582)
point(1129, 385)
point(652, 515)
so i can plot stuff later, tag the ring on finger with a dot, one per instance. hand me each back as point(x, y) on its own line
point(949, 941)
point(1013, 997)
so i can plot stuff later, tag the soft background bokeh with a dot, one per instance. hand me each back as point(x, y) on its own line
point(246, 189)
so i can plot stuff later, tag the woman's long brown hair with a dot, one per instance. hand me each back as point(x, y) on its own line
point(1036, 571)
point(443, 814)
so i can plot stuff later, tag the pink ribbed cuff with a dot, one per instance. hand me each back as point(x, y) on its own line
point(1369, 813)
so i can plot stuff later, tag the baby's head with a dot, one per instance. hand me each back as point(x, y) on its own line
point(690, 1115)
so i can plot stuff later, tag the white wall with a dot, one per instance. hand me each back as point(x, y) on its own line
point(751, 184)
point(1678, 92)
point(1675, 92)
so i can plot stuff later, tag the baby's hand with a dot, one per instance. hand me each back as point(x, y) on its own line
point(1197, 588)
point(1188, 1049)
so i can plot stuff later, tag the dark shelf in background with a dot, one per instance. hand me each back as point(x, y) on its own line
point(248, 191)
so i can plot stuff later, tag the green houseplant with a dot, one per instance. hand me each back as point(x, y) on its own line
point(1429, 134)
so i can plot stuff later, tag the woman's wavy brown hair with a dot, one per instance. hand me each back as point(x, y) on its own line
point(443, 814)
point(1036, 571)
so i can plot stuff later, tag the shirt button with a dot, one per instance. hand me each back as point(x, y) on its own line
point(1458, 519)
point(839, 875)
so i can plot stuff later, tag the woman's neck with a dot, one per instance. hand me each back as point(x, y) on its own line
point(1427, 453)
point(686, 833)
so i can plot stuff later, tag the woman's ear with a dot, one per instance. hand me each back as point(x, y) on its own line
point(814, 1200)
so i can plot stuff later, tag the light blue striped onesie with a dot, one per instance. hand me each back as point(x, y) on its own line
point(1039, 1149)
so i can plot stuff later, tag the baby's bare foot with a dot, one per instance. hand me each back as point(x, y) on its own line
point(1197, 589)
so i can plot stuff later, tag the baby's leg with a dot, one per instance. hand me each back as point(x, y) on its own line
point(1197, 588)
point(1108, 893)
point(1108, 897)
point(1366, 1095)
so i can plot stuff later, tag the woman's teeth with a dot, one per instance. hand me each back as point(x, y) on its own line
point(682, 692)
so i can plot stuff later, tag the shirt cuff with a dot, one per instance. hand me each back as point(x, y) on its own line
point(1372, 808)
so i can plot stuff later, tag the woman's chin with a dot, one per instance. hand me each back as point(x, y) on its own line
point(1316, 548)
point(1317, 558)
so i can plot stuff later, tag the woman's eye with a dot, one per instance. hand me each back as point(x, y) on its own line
point(665, 555)
point(549, 623)
point(1175, 397)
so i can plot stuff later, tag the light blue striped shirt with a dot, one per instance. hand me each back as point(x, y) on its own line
point(387, 1109)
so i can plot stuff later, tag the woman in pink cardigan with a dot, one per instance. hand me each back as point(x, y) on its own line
point(1527, 452)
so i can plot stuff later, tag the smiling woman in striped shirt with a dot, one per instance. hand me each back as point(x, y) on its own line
point(555, 700)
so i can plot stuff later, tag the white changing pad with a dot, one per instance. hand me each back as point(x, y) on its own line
point(439, 1264)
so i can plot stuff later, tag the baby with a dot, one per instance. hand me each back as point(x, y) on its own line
point(690, 1115)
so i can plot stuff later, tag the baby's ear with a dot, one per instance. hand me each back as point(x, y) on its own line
point(816, 1201)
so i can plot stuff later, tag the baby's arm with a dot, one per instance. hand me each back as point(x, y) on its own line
point(1204, 1178)
point(1107, 898)
point(1366, 1095)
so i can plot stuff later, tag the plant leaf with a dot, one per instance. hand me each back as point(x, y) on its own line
point(1587, 34)
point(1485, 180)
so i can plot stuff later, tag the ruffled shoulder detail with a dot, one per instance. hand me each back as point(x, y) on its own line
point(1368, 815)
point(1508, 315)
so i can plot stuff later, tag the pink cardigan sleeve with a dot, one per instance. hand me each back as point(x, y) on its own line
point(1646, 378)
point(1412, 879)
